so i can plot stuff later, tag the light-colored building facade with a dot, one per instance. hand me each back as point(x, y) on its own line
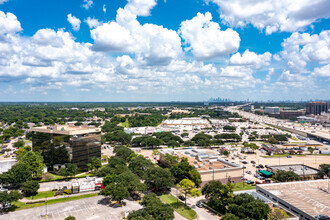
point(272, 110)
point(208, 164)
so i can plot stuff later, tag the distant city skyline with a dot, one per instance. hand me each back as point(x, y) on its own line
point(164, 50)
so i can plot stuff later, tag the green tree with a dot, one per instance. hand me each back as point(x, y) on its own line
point(277, 214)
point(181, 170)
point(21, 151)
point(272, 140)
point(30, 188)
point(139, 165)
point(171, 159)
point(8, 197)
point(195, 177)
point(17, 175)
point(286, 176)
point(19, 144)
point(108, 179)
point(131, 182)
point(230, 216)
point(141, 214)
point(158, 179)
point(188, 187)
point(311, 149)
point(156, 208)
point(116, 192)
point(114, 161)
point(122, 152)
point(246, 206)
point(173, 144)
point(70, 218)
point(94, 164)
point(324, 170)
point(70, 170)
point(226, 153)
point(34, 162)
point(218, 195)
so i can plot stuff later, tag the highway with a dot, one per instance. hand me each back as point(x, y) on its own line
point(306, 130)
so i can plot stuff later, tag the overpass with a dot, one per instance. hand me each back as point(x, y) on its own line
point(321, 136)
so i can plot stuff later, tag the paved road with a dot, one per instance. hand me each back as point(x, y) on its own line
point(83, 209)
point(201, 212)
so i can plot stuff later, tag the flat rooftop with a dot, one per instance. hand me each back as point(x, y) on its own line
point(206, 159)
point(304, 195)
point(299, 169)
point(66, 129)
point(187, 122)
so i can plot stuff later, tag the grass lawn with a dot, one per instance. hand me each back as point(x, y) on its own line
point(183, 210)
point(21, 205)
point(54, 177)
point(42, 195)
point(239, 186)
point(125, 124)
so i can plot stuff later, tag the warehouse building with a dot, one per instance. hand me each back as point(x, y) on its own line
point(305, 172)
point(305, 199)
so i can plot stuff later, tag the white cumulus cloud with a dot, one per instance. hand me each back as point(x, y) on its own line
point(205, 38)
point(251, 58)
point(272, 16)
point(75, 22)
point(87, 4)
point(9, 23)
point(92, 22)
point(302, 48)
point(323, 71)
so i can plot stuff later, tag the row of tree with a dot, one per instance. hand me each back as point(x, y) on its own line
point(234, 207)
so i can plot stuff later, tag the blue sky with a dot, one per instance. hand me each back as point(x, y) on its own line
point(165, 50)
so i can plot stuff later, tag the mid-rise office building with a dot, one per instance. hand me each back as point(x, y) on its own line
point(290, 114)
point(248, 108)
point(272, 110)
point(62, 144)
point(316, 108)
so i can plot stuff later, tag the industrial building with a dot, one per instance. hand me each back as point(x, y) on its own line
point(305, 199)
point(208, 164)
point(187, 123)
point(62, 144)
point(272, 110)
point(305, 172)
point(316, 108)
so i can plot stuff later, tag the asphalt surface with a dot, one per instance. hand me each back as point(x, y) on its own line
point(84, 209)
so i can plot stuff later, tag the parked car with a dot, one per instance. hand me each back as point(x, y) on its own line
point(199, 204)
point(261, 166)
point(244, 162)
point(253, 162)
point(250, 182)
point(289, 156)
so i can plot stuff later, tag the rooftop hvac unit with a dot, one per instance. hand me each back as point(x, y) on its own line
point(204, 162)
point(210, 167)
point(200, 166)
point(195, 166)
point(211, 162)
point(195, 162)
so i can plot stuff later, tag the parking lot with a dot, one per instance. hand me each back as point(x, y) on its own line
point(90, 208)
